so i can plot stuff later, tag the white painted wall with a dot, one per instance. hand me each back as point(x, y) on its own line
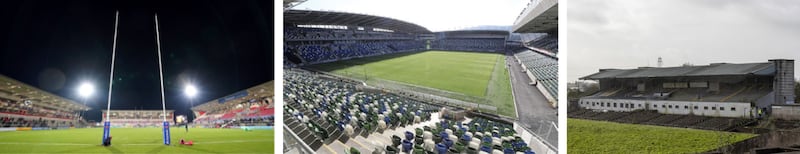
point(713, 109)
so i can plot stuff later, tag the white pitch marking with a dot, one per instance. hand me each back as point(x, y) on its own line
point(65, 144)
point(131, 144)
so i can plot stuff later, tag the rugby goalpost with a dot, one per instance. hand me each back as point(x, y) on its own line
point(107, 123)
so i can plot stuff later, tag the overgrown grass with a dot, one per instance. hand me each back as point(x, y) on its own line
point(587, 136)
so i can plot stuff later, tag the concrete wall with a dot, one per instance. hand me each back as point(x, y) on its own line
point(714, 109)
point(536, 143)
point(780, 138)
point(786, 112)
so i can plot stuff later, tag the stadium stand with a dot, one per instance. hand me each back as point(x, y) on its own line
point(547, 42)
point(471, 40)
point(245, 114)
point(319, 52)
point(322, 110)
point(22, 105)
point(318, 34)
point(307, 41)
point(719, 96)
point(543, 68)
point(250, 107)
point(469, 44)
point(651, 117)
point(537, 26)
point(138, 118)
point(717, 90)
point(329, 111)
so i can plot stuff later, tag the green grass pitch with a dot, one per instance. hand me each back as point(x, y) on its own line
point(588, 136)
point(137, 140)
point(482, 75)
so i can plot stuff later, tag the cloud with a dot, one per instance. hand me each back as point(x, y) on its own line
point(629, 34)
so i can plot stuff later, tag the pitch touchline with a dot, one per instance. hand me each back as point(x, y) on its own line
point(132, 144)
point(45, 143)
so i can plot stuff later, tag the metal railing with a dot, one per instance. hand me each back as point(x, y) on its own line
point(293, 144)
point(441, 96)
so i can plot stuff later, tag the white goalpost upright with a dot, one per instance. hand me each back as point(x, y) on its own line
point(161, 75)
point(107, 123)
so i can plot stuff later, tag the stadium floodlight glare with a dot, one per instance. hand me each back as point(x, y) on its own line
point(86, 89)
point(190, 91)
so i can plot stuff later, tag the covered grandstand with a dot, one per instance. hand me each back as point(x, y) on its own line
point(328, 113)
point(537, 27)
point(719, 96)
point(533, 62)
point(540, 17)
point(25, 106)
point(312, 37)
point(138, 118)
point(250, 107)
point(471, 40)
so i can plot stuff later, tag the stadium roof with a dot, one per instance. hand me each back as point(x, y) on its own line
point(312, 17)
point(288, 4)
point(17, 91)
point(487, 32)
point(539, 17)
point(157, 111)
point(262, 90)
point(718, 69)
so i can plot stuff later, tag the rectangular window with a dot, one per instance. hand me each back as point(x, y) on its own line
point(733, 109)
point(722, 108)
point(323, 26)
point(381, 30)
point(685, 107)
point(705, 107)
point(695, 107)
point(714, 108)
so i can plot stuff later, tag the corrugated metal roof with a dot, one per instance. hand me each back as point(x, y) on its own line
point(313, 17)
point(705, 70)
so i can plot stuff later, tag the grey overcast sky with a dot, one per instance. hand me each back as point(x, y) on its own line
point(630, 34)
point(436, 15)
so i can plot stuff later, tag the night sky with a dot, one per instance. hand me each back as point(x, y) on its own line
point(221, 46)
